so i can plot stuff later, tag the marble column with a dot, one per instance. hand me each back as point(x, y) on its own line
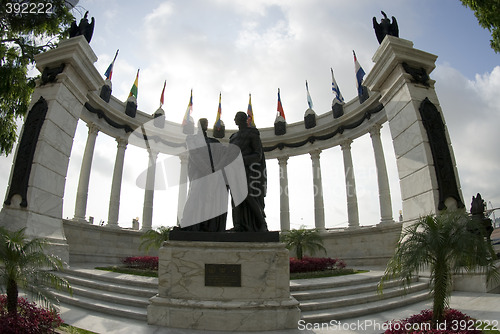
point(183, 183)
point(147, 211)
point(116, 185)
point(284, 200)
point(384, 191)
point(350, 186)
point(83, 182)
point(319, 210)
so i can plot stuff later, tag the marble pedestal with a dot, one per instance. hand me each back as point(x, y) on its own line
point(254, 296)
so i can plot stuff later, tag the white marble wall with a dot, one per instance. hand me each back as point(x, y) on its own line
point(263, 301)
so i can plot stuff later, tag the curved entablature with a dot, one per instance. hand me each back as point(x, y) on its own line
point(110, 118)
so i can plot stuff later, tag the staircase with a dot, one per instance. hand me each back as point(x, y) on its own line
point(353, 296)
point(110, 293)
point(321, 299)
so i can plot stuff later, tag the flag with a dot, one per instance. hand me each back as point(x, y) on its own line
point(135, 87)
point(218, 122)
point(336, 89)
point(189, 110)
point(250, 119)
point(109, 71)
point(360, 73)
point(162, 97)
point(280, 107)
point(309, 100)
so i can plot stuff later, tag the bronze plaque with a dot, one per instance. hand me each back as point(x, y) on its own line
point(223, 275)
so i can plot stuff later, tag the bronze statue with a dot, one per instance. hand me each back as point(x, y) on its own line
point(249, 216)
point(85, 28)
point(385, 27)
point(206, 206)
point(477, 210)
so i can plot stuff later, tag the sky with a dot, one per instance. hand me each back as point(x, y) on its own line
point(238, 47)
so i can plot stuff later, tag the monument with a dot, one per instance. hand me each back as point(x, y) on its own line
point(211, 279)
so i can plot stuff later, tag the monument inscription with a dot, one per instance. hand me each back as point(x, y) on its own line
point(223, 275)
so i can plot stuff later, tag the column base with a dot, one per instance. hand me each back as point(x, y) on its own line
point(37, 226)
point(386, 222)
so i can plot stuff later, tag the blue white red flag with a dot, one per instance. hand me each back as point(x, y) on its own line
point(109, 71)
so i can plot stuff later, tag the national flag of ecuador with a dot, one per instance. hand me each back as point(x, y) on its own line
point(250, 119)
point(189, 110)
point(135, 87)
point(218, 121)
point(280, 107)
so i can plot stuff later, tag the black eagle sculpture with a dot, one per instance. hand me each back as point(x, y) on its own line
point(385, 27)
point(85, 28)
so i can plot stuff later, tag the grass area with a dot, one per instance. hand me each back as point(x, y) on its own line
point(131, 271)
point(293, 276)
point(68, 329)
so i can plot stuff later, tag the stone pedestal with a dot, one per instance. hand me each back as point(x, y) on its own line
point(231, 286)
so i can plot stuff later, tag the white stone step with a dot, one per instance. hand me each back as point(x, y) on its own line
point(359, 298)
point(110, 297)
point(117, 286)
point(364, 309)
point(118, 278)
point(344, 290)
point(132, 312)
point(335, 282)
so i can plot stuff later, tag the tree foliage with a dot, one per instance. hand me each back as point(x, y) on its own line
point(22, 37)
point(154, 238)
point(444, 244)
point(303, 240)
point(488, 15)
point(24, 265)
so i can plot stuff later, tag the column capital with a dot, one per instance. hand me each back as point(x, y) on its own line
point(375, 130)
point(184, 157)
point(315, 154)
point(122, 142)
point(283, 160)
point(93, 128)
point(153, 153)
point(346, 144)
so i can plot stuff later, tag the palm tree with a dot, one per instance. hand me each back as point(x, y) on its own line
point(25, 266)
point(154, 238)
point(445, 244)
point(303, 240)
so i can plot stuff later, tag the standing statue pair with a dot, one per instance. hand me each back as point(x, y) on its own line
point(213, 169)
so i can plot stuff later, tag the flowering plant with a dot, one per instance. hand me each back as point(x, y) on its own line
point(454, 321)
point(29, 319)
point(308, 264)
point(141, 262)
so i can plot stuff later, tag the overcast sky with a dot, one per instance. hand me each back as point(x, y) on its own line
point(241, 47)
